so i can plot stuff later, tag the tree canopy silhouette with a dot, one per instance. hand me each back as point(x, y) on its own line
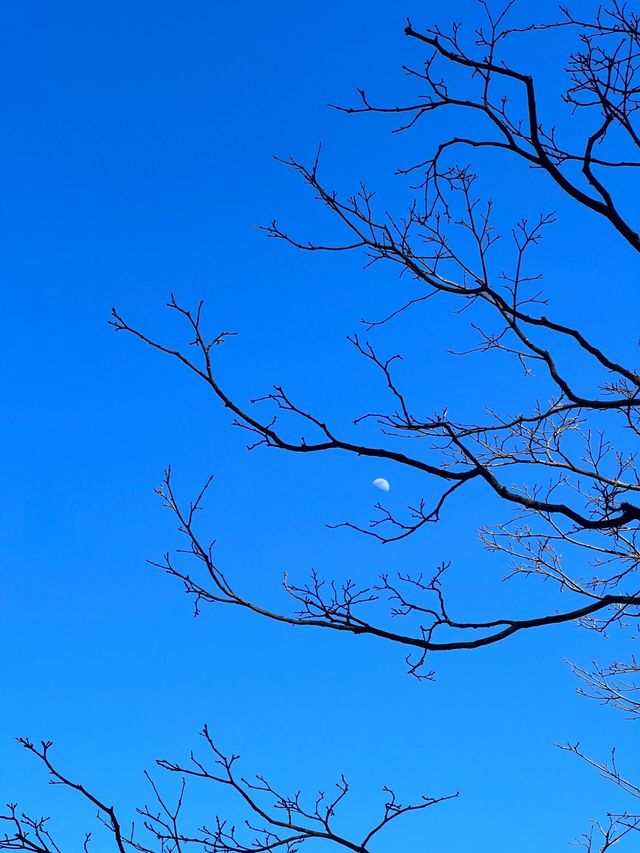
point(564, 466)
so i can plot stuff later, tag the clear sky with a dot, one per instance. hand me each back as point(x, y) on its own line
point(137, 143)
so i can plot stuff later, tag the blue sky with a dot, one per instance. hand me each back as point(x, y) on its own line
point(137, 161)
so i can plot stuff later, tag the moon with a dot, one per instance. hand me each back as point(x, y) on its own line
point(382, 484)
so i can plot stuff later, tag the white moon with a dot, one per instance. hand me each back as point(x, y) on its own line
point(382, 484)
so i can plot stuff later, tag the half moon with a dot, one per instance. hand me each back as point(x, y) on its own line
point(382, 484)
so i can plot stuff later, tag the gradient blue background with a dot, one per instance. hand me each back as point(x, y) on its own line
point(137, 142)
